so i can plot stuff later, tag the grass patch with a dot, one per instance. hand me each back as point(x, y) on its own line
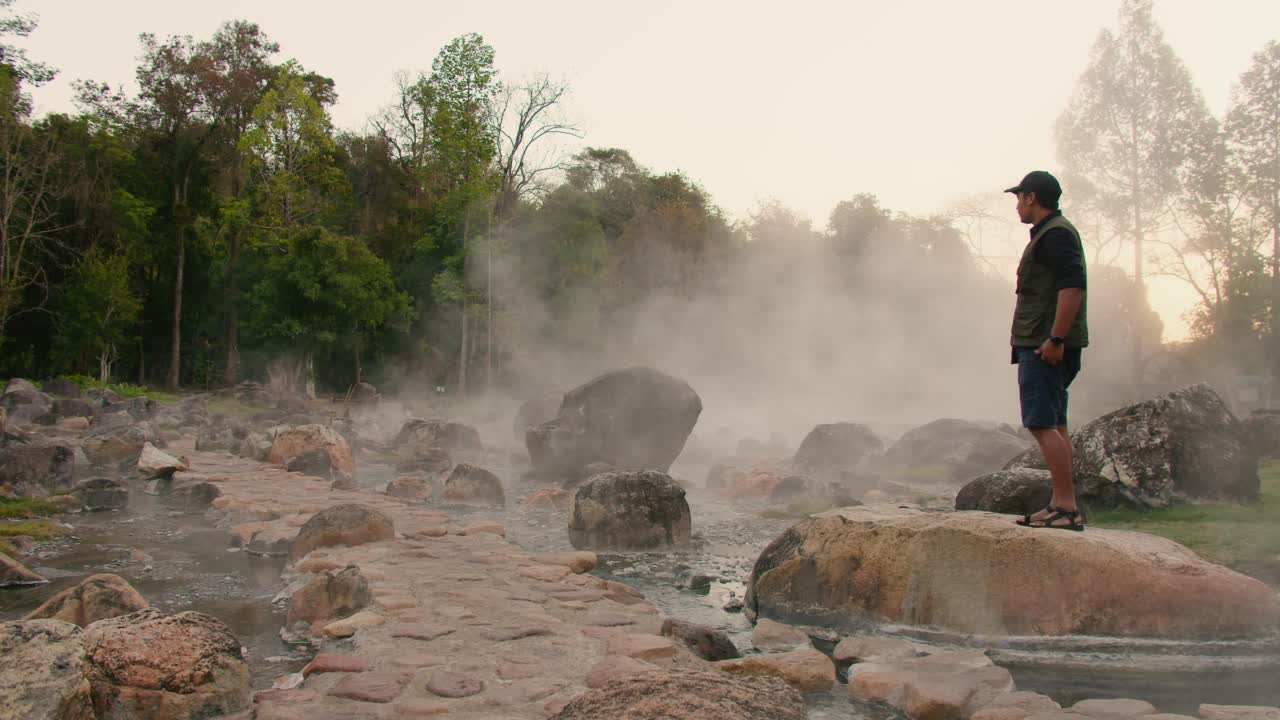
point(25, 508)
point(232, 408)
point(1245, 537)
point(38, 529)
point(123, 389)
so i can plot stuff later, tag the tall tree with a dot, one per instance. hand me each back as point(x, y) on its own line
point(292, 150)
point(1128, 127)
point(174, 93)
point(1253, 133)
point(241, 68)
point(30, 188)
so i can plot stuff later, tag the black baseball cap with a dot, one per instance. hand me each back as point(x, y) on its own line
point(1044, 185)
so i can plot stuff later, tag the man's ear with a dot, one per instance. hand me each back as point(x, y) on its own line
point(1032, 198)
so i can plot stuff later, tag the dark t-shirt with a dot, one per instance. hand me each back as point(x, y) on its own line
point(1059, 251)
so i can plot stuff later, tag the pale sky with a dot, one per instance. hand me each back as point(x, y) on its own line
point(918, 102)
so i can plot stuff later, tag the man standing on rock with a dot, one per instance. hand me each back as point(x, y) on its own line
point(1049, 332)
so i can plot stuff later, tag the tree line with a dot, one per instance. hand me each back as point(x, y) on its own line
point(213, 225)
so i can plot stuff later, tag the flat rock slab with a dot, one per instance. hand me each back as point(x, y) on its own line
point(423, 631)
point(1239, 712)
point(373, 687)
point(1124, 707)
point(640, 646)
point(806, 670)
point(446, 683)
point(504, 634)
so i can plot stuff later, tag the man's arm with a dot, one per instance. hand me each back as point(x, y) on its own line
point(1069, 301)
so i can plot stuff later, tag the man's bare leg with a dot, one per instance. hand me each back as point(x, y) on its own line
point(1056, 447)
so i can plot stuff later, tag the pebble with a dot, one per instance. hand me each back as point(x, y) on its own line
point(446, 683)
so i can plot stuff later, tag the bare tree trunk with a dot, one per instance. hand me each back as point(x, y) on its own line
point(175, 348)
point(142, 358)
point(233, 321)
point(462, 355)
point(359, 371)
point(309, 376)
point(488, 326)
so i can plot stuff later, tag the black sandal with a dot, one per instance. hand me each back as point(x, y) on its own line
point(1026, 520)
point(1073, 518)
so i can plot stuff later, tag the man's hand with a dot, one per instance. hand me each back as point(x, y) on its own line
point(1050, 353)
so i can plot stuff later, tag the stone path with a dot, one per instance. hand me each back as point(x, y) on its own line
point(464, 624)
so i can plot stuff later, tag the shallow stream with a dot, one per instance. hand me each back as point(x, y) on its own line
point(189, 566)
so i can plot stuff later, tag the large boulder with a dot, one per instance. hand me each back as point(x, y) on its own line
point(292, 442)
point(26, 405)
point(958, 450)
point(470, 484)
point(316, 462)
point(45, 672)
point(636, 418)
point(1020, 491)
point(629, 510)
point(542, 407)
point(349, 524)
point(19, 385)
point(981, 573)
point(696, 695)
point(73, 407)
point(36, 470)
point(97, 597)
point(1182, 446)
point(14, 573)
point(115, 440)
point(63, 388)
point(837, 446)
point(226, 438)
point(100, 494)
point(426, 438)
point(326, 597)
point(151, 665)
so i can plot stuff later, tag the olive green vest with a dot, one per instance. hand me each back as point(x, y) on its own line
point(1038, 298)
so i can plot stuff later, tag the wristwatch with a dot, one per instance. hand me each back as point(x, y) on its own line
point(1056, 340)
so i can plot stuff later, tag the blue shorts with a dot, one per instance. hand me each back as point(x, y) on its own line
point(1042, 388)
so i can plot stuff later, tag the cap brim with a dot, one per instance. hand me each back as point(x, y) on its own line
point(1015, 189)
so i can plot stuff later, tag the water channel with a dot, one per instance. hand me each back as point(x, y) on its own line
point(188, 565)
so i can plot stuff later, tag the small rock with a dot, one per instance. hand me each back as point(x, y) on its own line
point(1017, 706)
point(100, 494)
point(138, 556)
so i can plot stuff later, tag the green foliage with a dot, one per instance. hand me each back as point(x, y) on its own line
point(123, 389)
point(326, 290)
point(98, 310)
